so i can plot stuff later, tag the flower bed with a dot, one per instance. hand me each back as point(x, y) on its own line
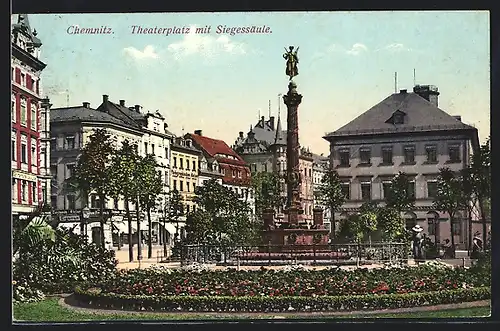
point(295, 255)
point(96, 298)
point(304, 283)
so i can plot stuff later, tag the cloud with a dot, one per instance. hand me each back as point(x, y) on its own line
point(204, 45)
point(147, 53)
point(395, 48)
point(356, 49)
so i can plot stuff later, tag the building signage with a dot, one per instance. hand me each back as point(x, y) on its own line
point(23, 176)
point(71, 218)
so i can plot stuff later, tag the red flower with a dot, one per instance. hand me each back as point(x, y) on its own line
point(150, 290)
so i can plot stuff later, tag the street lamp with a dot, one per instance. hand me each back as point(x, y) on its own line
point(85, 218)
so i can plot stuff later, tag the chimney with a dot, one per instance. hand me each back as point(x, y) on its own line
point(263, 121)
point(271, 122)
point(428, 92)
point(458, 117)
point(122, 103)
point(241, 134)
point(86, 105)
point(403, 91)
point(105, 98)
point(137, 108)
point(198, 132)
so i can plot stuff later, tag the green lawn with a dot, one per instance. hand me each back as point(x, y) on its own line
point(49, 310)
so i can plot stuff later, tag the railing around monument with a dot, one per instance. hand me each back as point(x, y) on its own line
point(332, 254)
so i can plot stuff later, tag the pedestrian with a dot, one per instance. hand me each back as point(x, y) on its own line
point(477, 245)
point(417, 239)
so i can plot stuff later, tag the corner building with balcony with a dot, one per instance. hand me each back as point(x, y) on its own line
point(30, 121)
point(405, 132)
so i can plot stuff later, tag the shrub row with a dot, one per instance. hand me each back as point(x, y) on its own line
point(95, 298)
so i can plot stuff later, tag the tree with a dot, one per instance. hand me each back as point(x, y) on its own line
point(267, 190)
point(481, 169)
point(124, 181)
point(198, 226)
point(468, 190)
point(229, 217)
point(357, 225)
point(175, 211)
point(151, 187)
point(390, 223)
point(330, 194)
point(400, 196)
point(92, 171)
point(450, 197)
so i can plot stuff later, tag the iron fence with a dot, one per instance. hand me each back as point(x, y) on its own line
point(363, 253)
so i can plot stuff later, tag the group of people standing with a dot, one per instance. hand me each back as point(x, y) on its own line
point(421, 244)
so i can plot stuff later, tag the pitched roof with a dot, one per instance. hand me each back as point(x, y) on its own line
point(123, 113)
point(215, 147)
point(83, 114)
point(280, 135)
point(420, 115)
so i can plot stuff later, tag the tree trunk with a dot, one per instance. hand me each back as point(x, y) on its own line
point(332, 222)
point(483, 221)
point(469, 232)
point(164, 233)
point(129, 219)
point(452, 220)
point(101, 218)
point(150, 235)
point(139, 237)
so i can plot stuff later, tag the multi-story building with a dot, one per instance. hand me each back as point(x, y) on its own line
point(184, 172)
point(306, 185)
point(71, 128)
point(29, 115)
point(233, 170)
point(405, 132)
point(320, 167)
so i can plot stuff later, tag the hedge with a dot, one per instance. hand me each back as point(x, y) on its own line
point(93, 297)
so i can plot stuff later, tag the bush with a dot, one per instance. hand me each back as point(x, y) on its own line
point(49, 269)
point(96, 298)
point(23, 292)
point(309, 283)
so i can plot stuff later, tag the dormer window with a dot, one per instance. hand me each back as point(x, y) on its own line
point(398, 117)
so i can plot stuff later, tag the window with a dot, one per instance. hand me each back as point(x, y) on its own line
point(181, 161)
point(53, 201)
point(53, 171)
point(387, 155)
point(70, 168)
point(33, 153)
point(14, 189)
point(24, 191)
point(13, 107)
point(174, 184)
point(33, 193)
point(166, 177)
point(33, 116)
point(70, 142)
point(166, 152)
point(194, 166)
point(23, 79)
point(366, 191)
point(13, 146)
point(23, 112)
point(386, 186)
point(457, 227)
point(344, 158)
point(187, 209)
point(265, 167)
point(431, 151)
point(153, 149)
point(305, 173)
point(409, 154)
point(145, 148)
point(181, 185)
point(432, 224)
point(398, 119)
point(365, 156)
point(239, 173)
point(32, 84)
point(94, 201)
point(194, 208)
point(53, 144)
point(431, 189)
point(71, 202)
point(454, 153)
point(187, 164)
point(175, 162)
point(188, 188)
point(43, 125)
point(346, 190)
point(194, 186)
point(411, 189)
point(24, 153)
point(115, 204)
point(310, 173)
point(234, 173)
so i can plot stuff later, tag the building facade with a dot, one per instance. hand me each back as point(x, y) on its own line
point(406, 132)
point(306, 185)
point(71, 128)
point(184, 172)
point(29, 118)
point(320, 166)
point(234, 172)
